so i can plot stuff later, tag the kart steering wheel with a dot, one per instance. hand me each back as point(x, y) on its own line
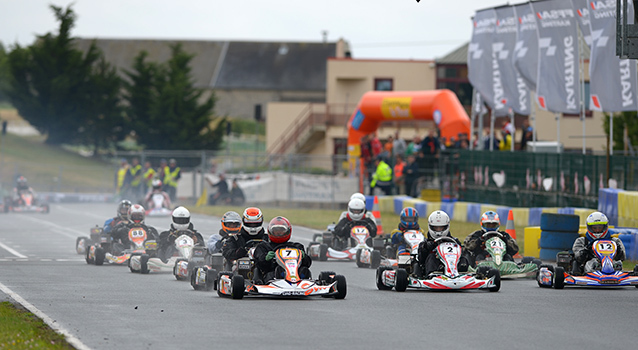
point(489, 234)
point(444, 239)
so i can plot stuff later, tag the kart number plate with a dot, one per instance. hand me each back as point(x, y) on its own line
point(289, 253)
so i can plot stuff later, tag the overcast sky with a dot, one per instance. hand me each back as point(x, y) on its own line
point(394, 29)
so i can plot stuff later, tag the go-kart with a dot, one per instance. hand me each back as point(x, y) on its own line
point(288, 282)
point(185, 253)
point(205, 277)
point(412, 239)
point(449, 253)
point(157, 206)
point(25, 203)
point(366, 256)
point(83, 243)
point(104, 249)
point(496, 250)
point(607, 275)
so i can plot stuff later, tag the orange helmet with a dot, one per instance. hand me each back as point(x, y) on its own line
point(279, 230)
point(231, 222)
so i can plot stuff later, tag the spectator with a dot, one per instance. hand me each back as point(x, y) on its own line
point(399, 147)
point(487, 140)
point(414, 147)
point(399, 179)
point(148, 173)
point(527, 134)
point(172, 174)
point(366, 154)
point(410, 173)
point(387, 147)
point(375, 145)
point(430, 145)
point(237, 196)
point(505, 143)
point(222, 193)
point(121, 183)
point(382, 177)
point(135, 176)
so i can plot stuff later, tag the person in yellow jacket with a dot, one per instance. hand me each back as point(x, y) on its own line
point(135, 175)
point(148, 173)
point(382, 177)
point(121, 183)
point(172, 174)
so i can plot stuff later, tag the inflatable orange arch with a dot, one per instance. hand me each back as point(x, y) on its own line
point(442, 106)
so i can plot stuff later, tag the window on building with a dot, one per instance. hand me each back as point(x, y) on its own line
point(383, 84)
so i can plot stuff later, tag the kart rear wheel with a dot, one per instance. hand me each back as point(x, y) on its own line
point(177, 263)
point(210, 279)
point(482, 271)
point(144, 263)
point(537, 262)
point(559, 277)
point(358, 259)
point(527, 259)
point(497, 279)
point(89, 260)
point(342, 287)
point(380, 284)
point(100, 254)
point(218, 281)
point(323, 252)
point(401, 280)
point(375, 259)
point(194, 280)
point(550, 268)
point(237, 287)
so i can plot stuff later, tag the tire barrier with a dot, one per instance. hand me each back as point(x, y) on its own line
point(549, 254)
point(560, 222)
point(557, 240)
point(629, 238)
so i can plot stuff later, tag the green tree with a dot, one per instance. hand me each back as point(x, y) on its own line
point(50, 82)
point(622, 121)
point(165, 108)
point(4, 74)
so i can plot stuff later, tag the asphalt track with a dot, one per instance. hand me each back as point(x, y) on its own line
point(107, 306)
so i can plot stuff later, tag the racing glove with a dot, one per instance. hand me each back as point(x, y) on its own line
point(270, 255)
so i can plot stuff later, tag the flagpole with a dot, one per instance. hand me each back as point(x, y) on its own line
point(511, 112)
point(533, 115)
point(473, 118)
point(611, 134)
point(492, 129)
point(557, 116)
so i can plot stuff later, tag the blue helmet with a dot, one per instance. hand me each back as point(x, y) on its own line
point(490, 221)
point(409, 219)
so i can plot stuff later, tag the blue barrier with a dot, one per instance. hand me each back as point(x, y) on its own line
point(398, 203)
point(608, 203)
point(473, 212)
point(535, 216)
point(448, 207)
point(369, 203)
point(569, 211)
point(422, 209)
point(503, 213)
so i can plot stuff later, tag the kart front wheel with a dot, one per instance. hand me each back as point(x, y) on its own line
point(401, 280)
point(100, 254)
point(380, 284)
point(342, 287)
point(82, 244)
point(144, 264)
point(219, 281)
point(497, 279)
point(358, 259)
point(559, 278)
point(538, 272)
point(237, 287)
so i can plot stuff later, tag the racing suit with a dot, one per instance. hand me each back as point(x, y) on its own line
point(119, 233)
point(269, 268)
point(235, 246)
point(368, 216)
point(216, 241)
point(109, 224)
point(429, 260)
point(167, 241)
point(586, 260)
point(474, 245)
point(343, 227)
point(396, 238)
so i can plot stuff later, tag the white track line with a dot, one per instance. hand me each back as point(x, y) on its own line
point(12, 251)
point(48, 320)
point(57, 228)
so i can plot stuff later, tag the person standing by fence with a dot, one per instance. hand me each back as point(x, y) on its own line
point(148, 173)
point(172, 174)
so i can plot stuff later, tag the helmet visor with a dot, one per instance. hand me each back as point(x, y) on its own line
point(438, 228)
point(252, 224)
point(232, 224)
point(408, 219)
point(597, 228)
point(137, 217)
point(278, 231)
point(356, 211)
point(181, 220)
point(490, 225)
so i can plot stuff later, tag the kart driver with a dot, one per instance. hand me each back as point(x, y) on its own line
point(409, 221)
point(235, 246)
point(438, 226)
point(361, 196)
point(231, 225)
point(157, 189)
point(122, 216)
point(22, 187)
point(279, 232)
point(355, 216)
point(597, 228)
point(181, 221)
point(136, 214)
point(475, 243)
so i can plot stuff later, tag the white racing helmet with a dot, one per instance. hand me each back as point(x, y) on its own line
point(358, 195)
point(597, 226)
point(181, 218)
point(356, 209)
point(438, 224)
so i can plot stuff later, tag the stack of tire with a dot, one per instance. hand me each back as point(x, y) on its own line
point(558, 233)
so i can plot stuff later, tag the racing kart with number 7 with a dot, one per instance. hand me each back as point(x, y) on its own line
point(287, 283)
point(449, 253)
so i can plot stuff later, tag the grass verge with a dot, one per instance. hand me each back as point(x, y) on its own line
point(21, 329)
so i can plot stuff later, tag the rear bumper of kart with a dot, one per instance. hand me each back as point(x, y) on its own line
point(280, 288)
